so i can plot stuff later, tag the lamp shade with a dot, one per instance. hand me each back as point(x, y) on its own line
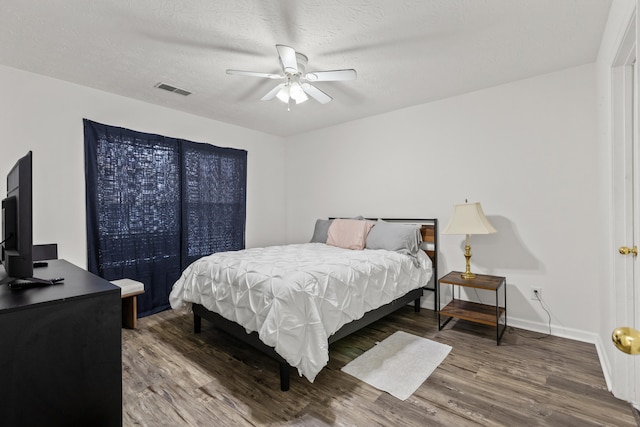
point(469, 218)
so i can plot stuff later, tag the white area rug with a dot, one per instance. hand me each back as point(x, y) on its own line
point(399, 364)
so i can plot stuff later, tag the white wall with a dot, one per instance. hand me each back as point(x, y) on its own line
point(529, 151)
point(45, 115)
point(525, 150)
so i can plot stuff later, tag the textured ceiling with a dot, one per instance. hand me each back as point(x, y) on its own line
point(405, 52)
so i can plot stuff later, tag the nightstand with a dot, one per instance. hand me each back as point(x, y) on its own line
point(472, 311)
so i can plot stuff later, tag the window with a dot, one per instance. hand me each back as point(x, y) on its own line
point(214, 198)
point(155, 204)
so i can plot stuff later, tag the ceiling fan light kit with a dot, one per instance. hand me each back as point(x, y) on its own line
point(296, 87)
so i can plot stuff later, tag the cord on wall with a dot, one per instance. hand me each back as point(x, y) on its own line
point(536, 293)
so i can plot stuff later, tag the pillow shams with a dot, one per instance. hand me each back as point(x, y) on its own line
point(402, 238)
point(321, 231)
point(349, 233)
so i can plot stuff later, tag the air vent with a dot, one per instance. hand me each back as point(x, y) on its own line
point(173, 89)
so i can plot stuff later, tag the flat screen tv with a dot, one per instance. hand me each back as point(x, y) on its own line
point(17, 226)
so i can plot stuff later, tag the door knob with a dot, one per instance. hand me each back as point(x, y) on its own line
point(625, 250)
point(627, 340)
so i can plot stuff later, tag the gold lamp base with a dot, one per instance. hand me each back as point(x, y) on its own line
point(626, 339)
point(467, 255)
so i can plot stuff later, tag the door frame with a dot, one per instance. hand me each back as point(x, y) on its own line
point(625, 371)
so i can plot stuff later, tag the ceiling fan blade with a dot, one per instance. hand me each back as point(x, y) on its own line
point(287, 58)
point(316, 93)
point(255, 74)
point(331, 76)
point(272, 93)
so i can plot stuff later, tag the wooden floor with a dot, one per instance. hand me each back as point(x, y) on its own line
point(173, 377)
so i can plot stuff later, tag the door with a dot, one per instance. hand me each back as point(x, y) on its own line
point(626, 222)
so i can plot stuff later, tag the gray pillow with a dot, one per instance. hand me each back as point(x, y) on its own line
point(321, 231)
point(403, 238)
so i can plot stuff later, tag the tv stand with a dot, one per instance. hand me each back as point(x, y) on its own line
point(60, 351)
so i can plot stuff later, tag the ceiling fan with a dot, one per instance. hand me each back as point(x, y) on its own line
point(296, 86)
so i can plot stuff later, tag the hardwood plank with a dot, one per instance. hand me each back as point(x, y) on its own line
point(173, 377)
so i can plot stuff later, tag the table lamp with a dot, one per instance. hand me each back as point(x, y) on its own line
point(468, 219)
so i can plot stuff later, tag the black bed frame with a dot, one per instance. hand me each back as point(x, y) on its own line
point(429, 235)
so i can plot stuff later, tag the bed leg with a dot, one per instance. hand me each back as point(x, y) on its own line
point(416, 307)
point(284, 376)
point(197, 323)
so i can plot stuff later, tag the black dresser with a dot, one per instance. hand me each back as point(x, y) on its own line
point(60, 351)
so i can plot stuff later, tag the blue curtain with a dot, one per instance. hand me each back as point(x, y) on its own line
point(155, 204)
point(213, 200)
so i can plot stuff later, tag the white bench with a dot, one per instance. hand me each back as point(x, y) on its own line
point(128, 291)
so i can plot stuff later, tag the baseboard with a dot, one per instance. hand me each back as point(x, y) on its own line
point(605, 364)
point(558, 331)
point(543, 328)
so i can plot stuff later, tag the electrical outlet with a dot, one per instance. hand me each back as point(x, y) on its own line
point(536, 293)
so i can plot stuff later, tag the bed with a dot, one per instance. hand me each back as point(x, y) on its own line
point(292, 301)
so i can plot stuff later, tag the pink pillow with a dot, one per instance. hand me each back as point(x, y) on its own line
point(349, 233)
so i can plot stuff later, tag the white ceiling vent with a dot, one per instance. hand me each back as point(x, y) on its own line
point(173, 89)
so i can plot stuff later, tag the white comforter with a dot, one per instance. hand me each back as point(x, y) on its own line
point(296, 296)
